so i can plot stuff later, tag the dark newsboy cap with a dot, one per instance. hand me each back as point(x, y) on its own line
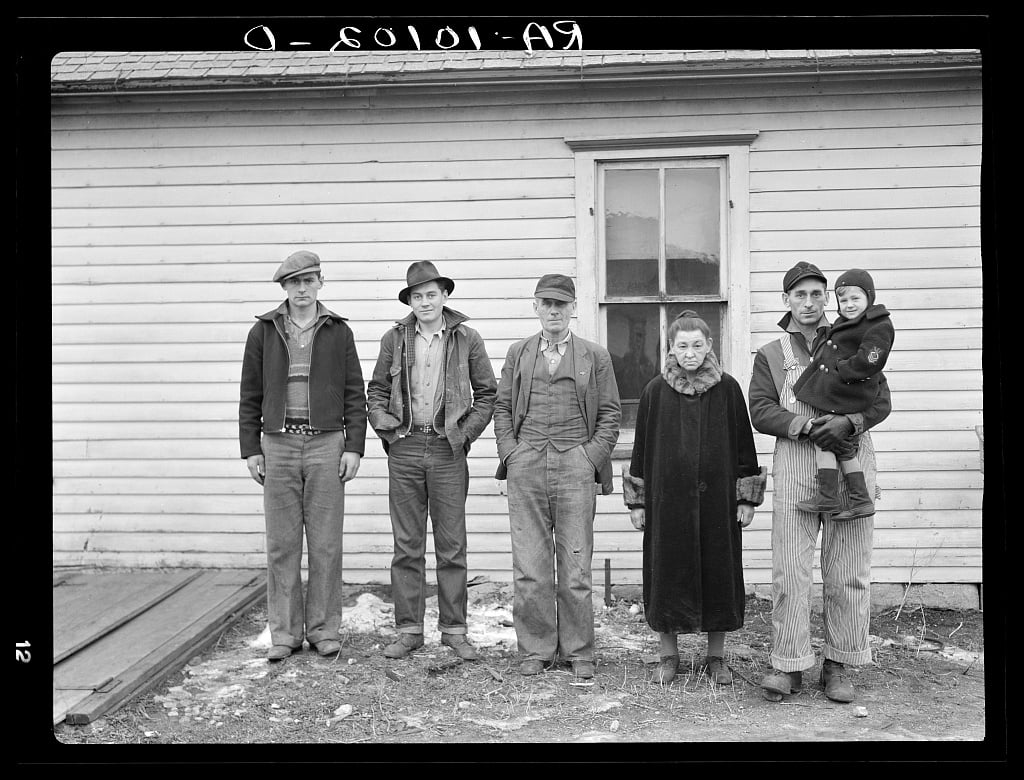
point(555, 286)
point(801, 271)
point(299, 262)
point(421, 272)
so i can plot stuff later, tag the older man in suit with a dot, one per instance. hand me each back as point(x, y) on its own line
point(556, 421)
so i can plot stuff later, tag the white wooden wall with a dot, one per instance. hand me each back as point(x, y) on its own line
point(170, 215)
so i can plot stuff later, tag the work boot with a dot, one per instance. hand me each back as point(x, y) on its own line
point(775, 684)
point(827, 500)
point(460, 644)
point(836, 681)
point(861, 504)
point(404, 645)
point(666, 669)
point(717, 671)
point(280, 652)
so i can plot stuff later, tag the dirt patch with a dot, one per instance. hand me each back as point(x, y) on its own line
point(926, 682)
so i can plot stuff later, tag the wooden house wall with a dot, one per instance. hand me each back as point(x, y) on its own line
point(170, 214)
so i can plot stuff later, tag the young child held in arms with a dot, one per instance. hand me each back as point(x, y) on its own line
point(843, 378)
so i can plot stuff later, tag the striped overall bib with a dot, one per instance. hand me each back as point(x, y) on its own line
point(845, 550)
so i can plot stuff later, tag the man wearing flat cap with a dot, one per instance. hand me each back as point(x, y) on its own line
point(556, 422)
point(302, 428)
point(845, 540)
point(431, 395)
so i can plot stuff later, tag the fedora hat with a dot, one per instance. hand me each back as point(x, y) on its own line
point(421, 272)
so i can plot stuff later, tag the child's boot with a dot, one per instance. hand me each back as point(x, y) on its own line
point(827, 500)
point(861, 504)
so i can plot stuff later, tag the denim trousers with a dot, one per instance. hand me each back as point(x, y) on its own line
point(551, 503)
point(425, 478)
point(302, 493)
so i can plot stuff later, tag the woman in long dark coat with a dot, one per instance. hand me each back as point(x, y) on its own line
point(692, 485)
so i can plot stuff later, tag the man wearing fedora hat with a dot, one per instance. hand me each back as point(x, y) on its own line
point(302, 427)
point(431, 395)
point(556, 421)
point(846, 545)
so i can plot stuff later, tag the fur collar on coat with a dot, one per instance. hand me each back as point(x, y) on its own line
point(708, 375)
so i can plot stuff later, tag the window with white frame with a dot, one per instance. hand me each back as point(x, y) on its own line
point(661, 234)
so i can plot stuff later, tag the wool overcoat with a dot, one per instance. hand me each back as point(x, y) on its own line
point(693, 462)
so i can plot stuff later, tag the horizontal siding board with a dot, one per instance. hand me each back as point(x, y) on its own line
point(508, 123)
point(950, 236)
point(337, 251)
point(891, 158)
point(335, 173)
point(334, 214)
point(868, 258)
point(865, 179)
point(388, 276)
point(286, 151)
point(309, 193)
point(867, 219)
point(783, 204)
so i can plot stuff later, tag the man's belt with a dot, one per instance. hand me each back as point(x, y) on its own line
point(424, 428)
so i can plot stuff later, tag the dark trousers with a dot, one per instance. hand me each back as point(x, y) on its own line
point(426, 478)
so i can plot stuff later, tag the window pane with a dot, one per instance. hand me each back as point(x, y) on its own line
point(692, 220)
point(631, 231)
point(634, 343)
point(711, 313)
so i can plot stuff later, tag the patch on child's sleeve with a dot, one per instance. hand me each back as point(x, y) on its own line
point(874, 355)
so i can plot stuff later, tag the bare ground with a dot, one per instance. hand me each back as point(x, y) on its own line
point(926, 683)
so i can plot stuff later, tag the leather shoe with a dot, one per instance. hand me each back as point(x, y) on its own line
point(582, 668)
point(837, 682)
point(460, 644)
point(667, 668)
point(404, 645)
point(776, 683)
point(717, 670)
point(531, 666)
point(326, 647)
point(280, 652)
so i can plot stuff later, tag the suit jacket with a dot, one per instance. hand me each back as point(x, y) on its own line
point(596, 391)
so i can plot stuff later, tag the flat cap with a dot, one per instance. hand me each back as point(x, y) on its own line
point(800, 271)
point(555, 286)
point(299, 262)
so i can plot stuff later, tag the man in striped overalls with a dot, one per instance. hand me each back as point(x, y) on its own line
point(846, 543)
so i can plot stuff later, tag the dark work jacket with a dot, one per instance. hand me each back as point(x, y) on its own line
point(337, 399)
point(845, 370)
point(469, 384)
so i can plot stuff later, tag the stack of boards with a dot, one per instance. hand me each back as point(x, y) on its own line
point(117, 633)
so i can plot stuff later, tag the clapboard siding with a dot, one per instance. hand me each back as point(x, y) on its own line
point(171, 212)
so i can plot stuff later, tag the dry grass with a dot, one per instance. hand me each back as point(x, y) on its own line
point(231, 695)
